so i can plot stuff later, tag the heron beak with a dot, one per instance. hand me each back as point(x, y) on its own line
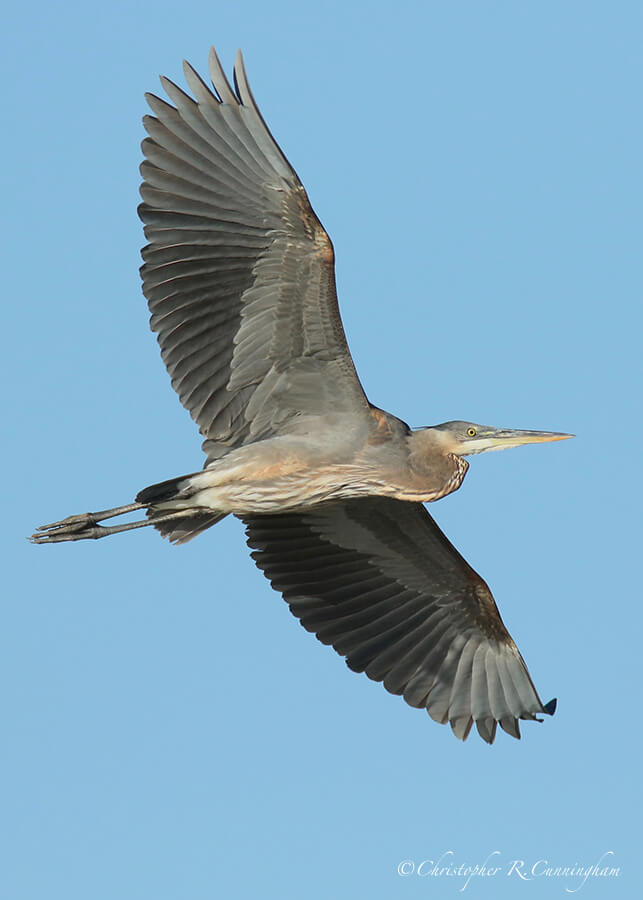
point(504, 438)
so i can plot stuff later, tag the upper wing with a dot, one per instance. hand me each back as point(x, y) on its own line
point(378, 580)
point(239, 272)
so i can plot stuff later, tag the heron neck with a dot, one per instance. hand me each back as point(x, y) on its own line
point(432, 461)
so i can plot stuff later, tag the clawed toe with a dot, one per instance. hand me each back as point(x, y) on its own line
point(73, 528)
point(84, 526)
point(73, 523)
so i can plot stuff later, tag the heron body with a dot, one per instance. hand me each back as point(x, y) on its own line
point(239, 277)
point(294, 470)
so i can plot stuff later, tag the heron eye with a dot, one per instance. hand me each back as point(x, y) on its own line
point(471, 432)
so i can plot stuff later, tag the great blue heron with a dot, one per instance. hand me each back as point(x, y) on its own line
point(239, 277)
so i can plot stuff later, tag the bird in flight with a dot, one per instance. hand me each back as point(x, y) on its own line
point(239, 277)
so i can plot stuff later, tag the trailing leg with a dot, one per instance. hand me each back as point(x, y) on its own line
point(168, 506)
point(85, 526)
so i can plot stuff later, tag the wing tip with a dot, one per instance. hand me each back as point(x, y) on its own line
point(487, 728)
point(189, 71)
point(461, 727)
point(550, 708)
point(219, 79)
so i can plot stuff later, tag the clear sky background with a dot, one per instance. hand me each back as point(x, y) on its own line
point(170, 732)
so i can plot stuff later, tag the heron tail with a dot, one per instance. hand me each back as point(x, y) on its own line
point(185, 526)
point(167, 498)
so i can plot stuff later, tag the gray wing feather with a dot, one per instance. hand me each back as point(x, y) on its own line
point(238, 271)
point(378, 580)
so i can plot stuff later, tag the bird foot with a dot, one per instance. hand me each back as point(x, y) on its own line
point(73, 528)
point(85, 525)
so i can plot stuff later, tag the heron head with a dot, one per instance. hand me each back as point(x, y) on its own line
point(467, 438)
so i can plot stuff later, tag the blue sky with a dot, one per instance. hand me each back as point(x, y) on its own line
point(170, 731)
